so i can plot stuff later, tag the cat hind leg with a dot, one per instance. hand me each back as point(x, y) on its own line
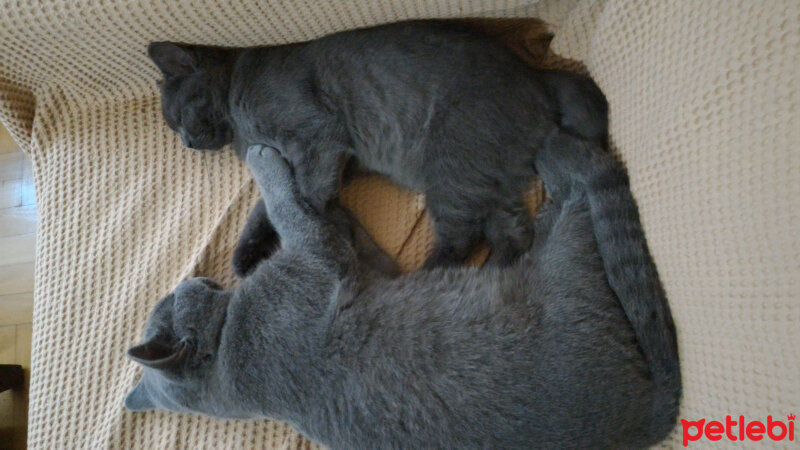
point(509, 232)
point(454, 238)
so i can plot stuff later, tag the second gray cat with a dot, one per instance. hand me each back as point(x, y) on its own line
point(437, 107)
point(572, 346)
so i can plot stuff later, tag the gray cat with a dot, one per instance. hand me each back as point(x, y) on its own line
point(436, 106)
point(571, 346)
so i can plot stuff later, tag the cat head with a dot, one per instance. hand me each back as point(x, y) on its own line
point(179, 353)
point(194, 92)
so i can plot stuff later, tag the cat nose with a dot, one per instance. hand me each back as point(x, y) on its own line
point(187, 140)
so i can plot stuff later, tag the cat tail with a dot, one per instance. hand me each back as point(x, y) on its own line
point(583, 109)
point(568, 162)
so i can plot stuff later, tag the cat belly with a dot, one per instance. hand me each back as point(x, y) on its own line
point(399, 159)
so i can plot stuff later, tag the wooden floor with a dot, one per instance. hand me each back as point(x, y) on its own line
point(17, 250)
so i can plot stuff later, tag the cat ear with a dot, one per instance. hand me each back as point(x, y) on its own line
point(138, 399)
point(172, 59)
point(158, 354)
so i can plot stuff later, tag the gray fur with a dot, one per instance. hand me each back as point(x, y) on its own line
point(435, 106)
point(550, 352)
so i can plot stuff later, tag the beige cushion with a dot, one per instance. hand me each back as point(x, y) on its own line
point(704, 111)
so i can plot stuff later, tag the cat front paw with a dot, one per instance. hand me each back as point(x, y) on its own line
point(253, 247)
point(268, 166)
point(262, 151)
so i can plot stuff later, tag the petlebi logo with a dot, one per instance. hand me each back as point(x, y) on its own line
point(738, 429)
